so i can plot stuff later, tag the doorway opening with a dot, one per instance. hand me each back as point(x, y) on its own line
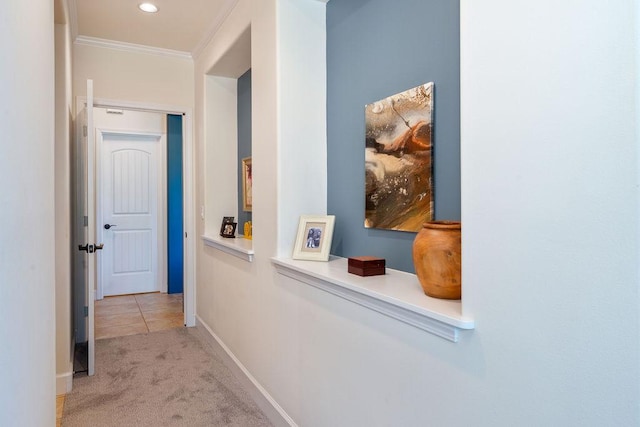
point(120, 148)
point(131, 201)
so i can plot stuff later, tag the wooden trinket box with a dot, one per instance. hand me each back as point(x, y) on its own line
point(366, 266)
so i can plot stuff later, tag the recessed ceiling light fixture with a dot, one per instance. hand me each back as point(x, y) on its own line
point(148, 7)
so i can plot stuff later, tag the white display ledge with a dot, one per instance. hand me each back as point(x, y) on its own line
point(396, 294)
point(239, 246)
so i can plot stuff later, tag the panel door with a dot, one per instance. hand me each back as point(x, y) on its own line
point(130, 211)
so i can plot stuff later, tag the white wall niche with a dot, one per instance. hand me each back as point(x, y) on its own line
point(220, 147)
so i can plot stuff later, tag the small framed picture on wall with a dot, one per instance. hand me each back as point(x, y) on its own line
point(247, 181)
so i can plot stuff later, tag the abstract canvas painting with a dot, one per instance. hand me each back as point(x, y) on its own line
point(398, 160)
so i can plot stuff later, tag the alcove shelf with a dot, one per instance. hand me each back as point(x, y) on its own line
point(239, 246)
point(396, 294)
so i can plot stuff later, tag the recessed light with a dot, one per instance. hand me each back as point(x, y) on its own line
point(148, 7)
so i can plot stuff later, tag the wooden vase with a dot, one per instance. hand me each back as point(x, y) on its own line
point(436, 258)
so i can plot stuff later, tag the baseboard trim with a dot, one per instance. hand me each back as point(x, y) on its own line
point(64, 382)
point(263, 399)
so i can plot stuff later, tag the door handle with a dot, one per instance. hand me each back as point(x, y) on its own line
point(108, 226)
point(99, 247)
point(84, 248)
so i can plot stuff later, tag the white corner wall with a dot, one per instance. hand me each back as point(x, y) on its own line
point(63, 241)
point(27, 249)
point(550, 210)
point(220, 149)
point(550, 207)
point(242, 302)
point(302, 115)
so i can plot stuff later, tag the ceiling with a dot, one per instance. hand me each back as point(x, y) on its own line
point(179, 25)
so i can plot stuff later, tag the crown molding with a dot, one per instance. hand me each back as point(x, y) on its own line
point(131, 47)
point(225, 11)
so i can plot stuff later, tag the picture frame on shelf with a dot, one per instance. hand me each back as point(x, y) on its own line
point(313, 240)
point(247, 184)
point(228, 227)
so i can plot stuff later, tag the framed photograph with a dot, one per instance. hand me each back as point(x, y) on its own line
point(247, 181)
point(228, 227)
point(313, 240)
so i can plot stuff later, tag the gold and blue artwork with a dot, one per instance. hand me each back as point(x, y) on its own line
point(399, 160)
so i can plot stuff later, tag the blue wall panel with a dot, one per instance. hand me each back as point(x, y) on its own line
point(175, 227)
point(244, 139)
point(376, 48)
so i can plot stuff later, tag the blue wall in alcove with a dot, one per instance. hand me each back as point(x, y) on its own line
point(376, 48)
point(244, 139)
point(175, 228)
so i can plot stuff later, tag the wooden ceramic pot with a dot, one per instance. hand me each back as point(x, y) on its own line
point(436, 258)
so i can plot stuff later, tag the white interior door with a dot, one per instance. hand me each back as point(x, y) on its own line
point(130, 207)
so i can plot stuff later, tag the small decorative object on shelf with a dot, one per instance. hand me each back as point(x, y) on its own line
point(366, 266)
point(313, 241)
point(228, 227)
point(248, 230)
point(437, 258)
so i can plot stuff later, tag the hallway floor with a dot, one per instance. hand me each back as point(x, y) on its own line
point(161, 378)
point(123, 315)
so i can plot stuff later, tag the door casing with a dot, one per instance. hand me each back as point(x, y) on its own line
point(188, 167)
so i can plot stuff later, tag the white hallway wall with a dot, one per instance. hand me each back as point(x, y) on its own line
point(132, 76)
point(27, 262)
point(550, 210)
point(63, 240)
point(243, 302)
point(549, 159)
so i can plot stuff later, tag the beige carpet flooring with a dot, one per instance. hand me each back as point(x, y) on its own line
point(166, 378)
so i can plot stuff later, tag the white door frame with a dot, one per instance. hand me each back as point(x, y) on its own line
point(188, 188)
point(161, 217)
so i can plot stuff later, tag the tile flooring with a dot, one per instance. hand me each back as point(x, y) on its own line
point(59, 409)
point(137, 314)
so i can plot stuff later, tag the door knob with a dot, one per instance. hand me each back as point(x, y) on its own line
point(108, 226)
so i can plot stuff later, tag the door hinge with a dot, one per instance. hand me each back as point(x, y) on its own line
point(84, 130)
point(86, 311)
point(185, 235)
point(86, 221)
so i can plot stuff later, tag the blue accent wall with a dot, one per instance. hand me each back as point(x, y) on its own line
point(175, 227)
point(377, 48)
point(244, 139)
